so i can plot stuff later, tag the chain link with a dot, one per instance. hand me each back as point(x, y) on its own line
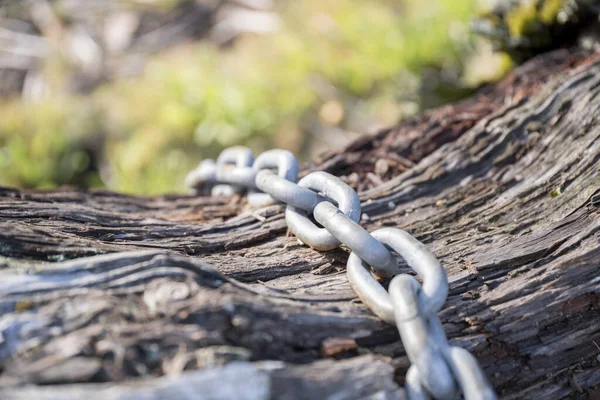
point(230, 167)
point(287, 171)
point(332, 188)
point(287, 192)
point(203, 177)
point(365, 246)
point(437, 368)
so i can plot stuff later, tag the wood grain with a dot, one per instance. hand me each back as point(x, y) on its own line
point(504, 188)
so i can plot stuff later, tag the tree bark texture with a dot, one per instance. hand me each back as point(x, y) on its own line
point(201, 297)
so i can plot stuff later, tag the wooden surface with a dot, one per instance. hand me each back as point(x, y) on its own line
point(201, 296)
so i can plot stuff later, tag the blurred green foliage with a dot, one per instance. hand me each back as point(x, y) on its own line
point(141, 135)
point(528, 27)
point(46, 143)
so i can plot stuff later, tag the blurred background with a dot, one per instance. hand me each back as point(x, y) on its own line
point(131, 94)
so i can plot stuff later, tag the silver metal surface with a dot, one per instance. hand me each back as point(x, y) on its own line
point(438, 370)
point(424, 349)
point(434, 292)
point(204, 174)
point(332, 188)
point(223, 190)
point(286, 191)
point(357, 239)
point(413, 309)
point(238, 176)
point(368, 289)
point(471, 379)
point(240, 157)
point(287, 168)
point(468, 374)
point(413, 387)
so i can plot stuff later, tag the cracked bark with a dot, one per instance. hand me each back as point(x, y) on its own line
point(203, 296)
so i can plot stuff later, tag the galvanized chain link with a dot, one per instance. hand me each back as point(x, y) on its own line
point(437, 368)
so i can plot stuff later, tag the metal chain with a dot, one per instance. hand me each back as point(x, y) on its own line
point(438, 369)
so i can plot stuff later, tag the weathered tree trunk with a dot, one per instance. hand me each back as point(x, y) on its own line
point(504, 188)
